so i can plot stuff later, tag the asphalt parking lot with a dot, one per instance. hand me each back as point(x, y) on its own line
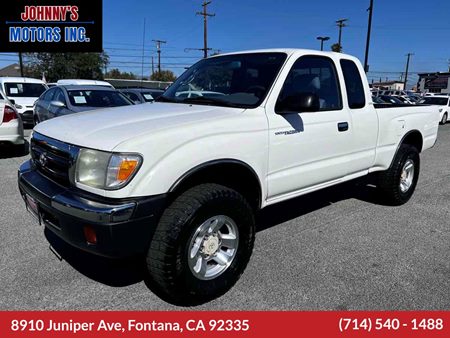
point(338, 249)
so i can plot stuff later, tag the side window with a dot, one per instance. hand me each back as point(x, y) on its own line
point(59, 96)
point(48, 95)
point(353, 83)
point(317, 75)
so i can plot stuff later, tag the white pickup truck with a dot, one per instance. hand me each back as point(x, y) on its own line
point(180, 181)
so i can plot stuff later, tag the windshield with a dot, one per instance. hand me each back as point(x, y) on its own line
point(24, 89)
point(438, 101)
point(239, 80)
point(97, 98)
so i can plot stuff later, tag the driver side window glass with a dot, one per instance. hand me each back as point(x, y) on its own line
point(49, 95)
point(316, 75)
point(59, 96)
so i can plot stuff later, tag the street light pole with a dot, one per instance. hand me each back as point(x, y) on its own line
point(322, 39)
point(406, 71)
point(369, 28)
point(341, 24)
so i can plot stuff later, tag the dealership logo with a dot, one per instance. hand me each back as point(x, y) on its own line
point(72, 27)
point(43, 159)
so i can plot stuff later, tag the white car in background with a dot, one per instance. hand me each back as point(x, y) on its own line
point(11, 128)
point(443, 101)
point(23, 93)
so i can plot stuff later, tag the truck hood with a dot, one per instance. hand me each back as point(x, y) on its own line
point(105, 129)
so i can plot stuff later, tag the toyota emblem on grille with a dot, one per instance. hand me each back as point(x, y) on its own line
point(43, 159)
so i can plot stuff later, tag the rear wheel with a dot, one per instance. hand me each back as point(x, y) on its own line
point(399, 181)
point(444, 118)
point(202, 244)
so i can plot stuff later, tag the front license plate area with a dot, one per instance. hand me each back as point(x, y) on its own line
point(33, 208)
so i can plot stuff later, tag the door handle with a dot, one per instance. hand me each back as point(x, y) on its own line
point(343, 126)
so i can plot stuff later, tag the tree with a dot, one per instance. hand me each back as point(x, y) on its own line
point(117, 74)
point(58, 66)
point(164, 75)
point(335, 47)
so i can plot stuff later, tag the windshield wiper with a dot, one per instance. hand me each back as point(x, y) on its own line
point(208, 100)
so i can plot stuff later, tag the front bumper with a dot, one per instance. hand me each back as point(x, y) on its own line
point(123, 227)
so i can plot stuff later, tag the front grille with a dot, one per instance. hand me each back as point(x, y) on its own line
point(54, 159)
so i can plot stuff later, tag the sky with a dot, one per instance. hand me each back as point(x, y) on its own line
point(399, 27)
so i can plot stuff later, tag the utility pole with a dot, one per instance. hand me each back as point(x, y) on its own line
point(153, 66)
point(21, 64)
point(341, 24)
point(158, 50)
point(406, 71)
point(205, 15)
point(322, 39)
point(143, 52)
point(369, 28)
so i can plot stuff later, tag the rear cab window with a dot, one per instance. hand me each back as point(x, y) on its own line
point(353, 83)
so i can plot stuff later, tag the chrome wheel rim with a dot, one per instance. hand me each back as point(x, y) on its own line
point(213, 247)
point(407, 176)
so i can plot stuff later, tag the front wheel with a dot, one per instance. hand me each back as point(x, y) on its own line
point(399, 181)
point(201, 245)
point(444, 118)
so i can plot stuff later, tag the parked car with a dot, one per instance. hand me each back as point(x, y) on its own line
point(444, 105)
point(142, 95)
point(23, 92)
point(404, 99)
point(82, 82)
point(180, 181)
point(64, 100)
point(11, 128)
point(390, 99)
point(377, 99)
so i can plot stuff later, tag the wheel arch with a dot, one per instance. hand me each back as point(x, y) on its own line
point(232, 173)
point(413, 138)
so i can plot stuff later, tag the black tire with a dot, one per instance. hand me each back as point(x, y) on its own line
point(444, 118)
point(389, 180)
point(167, 257)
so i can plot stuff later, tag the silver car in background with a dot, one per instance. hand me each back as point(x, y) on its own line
point(64, 100)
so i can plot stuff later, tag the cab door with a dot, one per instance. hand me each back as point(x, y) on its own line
point(308, 148)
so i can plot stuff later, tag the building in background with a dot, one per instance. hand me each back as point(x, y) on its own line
point(388, 85)
point(438, 82)
point(11, 70)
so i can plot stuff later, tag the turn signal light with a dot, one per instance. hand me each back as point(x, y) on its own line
point(90, 235)
point(9, 114)
point(126, 169)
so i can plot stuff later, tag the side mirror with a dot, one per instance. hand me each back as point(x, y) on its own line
point(58, 104)
point(299, 102)
point(12, 101)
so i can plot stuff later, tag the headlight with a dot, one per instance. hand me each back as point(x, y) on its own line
point(103, 170)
